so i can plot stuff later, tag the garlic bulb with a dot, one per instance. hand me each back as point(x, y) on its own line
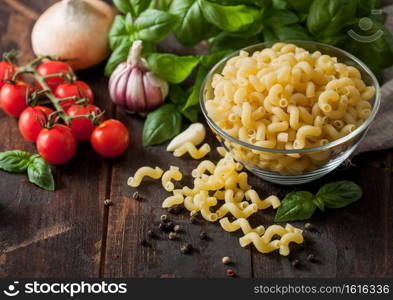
point(76, 30)
point(133, 86)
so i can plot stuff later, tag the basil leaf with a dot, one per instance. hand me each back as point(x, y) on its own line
point(280, 18)
point(296, 206)
point(118, 33)
point(154, 25)
point(15, 161)
point(193, 27)
point(135, 7)
point(291, 32)
point(195, 94)
point(172, 68)
point(365, 7)
point(225, 41)
point(229, 18)
point(330, 17)
point(374, 47)
point(280, 4)
point(192, 113)
point(161, 125)
point(301, 6)
point(40, 173)
point(208, 61)
point(339, 194)
point(177, 94)
point(118, 56)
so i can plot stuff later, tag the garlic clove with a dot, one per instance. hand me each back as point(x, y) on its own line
point(194, 134)
point(118, 83)
point(153, 94)
point(135, 96)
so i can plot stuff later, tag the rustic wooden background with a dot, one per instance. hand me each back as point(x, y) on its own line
point(70, 233)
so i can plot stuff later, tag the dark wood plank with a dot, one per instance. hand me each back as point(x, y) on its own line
point(46, 234)
point(345, 240)
point(129, 221)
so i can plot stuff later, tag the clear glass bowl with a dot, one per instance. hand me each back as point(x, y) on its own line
point(261, 161)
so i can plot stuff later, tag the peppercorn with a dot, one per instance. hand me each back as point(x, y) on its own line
point(177, 228)
point(311, 257)
point(309, 226)
point(295, 263)
point(162, 226)
point(185, 249)
point(172, 235)
point(203, 235)
point(231, 273)
point(175, 209)
point(164, 218)
point(144, 243)
point(169, 226)
point(226, 260)
point(151, 233)
point(194, 219)
point(135, 196)
point(108, 202)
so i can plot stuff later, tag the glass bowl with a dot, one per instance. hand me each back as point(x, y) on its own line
point(303, 165)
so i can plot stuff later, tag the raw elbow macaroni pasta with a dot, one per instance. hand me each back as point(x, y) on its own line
point(192, 150)
point(287, 98)
point(142, 172)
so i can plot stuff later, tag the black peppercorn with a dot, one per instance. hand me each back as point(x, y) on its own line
point(185, 249)
point(164, 218)
point(203, 235)
point(144, 243)
point(295, 263)
point(108, 202)
point(151, 233)
point(311, 257)
point(194, 220)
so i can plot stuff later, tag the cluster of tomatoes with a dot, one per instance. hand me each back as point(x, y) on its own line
point(57, 142)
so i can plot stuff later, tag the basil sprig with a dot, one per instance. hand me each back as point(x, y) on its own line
point(298, 206)
point(38, 170)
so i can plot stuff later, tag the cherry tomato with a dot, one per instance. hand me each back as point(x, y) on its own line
point(7, 70)
point(30, 121)
point(13, 97)
point(110, 138)
point(54, 67)
point(75, 89)
point(56, 145)
point(82, 128)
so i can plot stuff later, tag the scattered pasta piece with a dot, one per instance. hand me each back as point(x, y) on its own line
point(192, 150)
point(172, 174)
point(265, 244)
point(142, 172)
point(272, 201)
point(242, 224)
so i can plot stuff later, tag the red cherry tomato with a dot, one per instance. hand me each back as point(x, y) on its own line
point(13, 97)
point(110, 138)
point(82, 128)
point(30, 121)
point(7, 70)
point(54, 67)
point(75, 89)
point(56, 145)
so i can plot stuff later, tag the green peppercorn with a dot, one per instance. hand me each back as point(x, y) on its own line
point(185, 249)
point(177, 228)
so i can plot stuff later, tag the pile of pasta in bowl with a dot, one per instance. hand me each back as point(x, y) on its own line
point(288, 114)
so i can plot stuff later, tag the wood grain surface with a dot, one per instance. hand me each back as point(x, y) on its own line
point(70, 233)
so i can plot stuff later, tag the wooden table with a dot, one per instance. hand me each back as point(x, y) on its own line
point(70, 233)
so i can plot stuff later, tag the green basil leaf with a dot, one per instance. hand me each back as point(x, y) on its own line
point(15, 161)
point(118, 56)
point(330, 17)
point(193, 28)
point(291, 32)
point(280, 4)
point(40, 174)
point(374, 46)
point(172, 68)
point(229, 18)
point(154, 25)
point(208, 61)
point(278, 18)
point(339, 194)
point(301, 6)
point(365, 7)
point(192, 113)
point(118, 33)
point(296, 206)
point(269, 35)
point(195, 94)
point(177, 94)
point(135, 7)
point(227, 41)
point(161, 125)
